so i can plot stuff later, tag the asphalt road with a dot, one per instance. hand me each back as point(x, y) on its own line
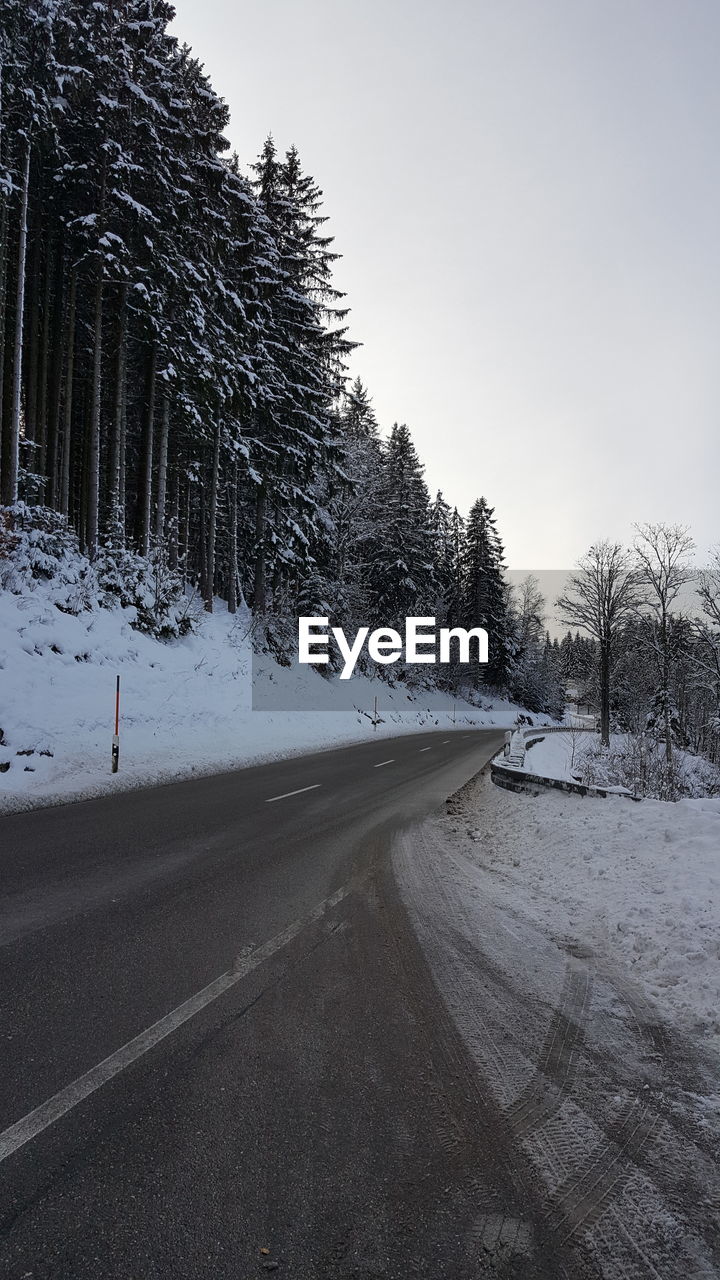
point(219, 1036)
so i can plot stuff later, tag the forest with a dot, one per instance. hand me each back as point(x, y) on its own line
point(175, 354)
point(176, 404)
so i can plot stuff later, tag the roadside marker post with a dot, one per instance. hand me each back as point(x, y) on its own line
point(116, 737)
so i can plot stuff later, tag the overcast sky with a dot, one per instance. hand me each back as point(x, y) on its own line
point(526, 194)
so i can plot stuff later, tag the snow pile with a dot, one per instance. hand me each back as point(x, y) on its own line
point(638, 762)
point(186, 704)
point(638, 883)
point(633, 762)
point(559, 755)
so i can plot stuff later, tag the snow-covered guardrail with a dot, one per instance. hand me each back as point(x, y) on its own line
point(507, 768)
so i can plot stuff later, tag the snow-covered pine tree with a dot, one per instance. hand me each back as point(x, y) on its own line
point(353, 508)
point(297, 438)
point(358, 416)
point(400, 570)
point(443, 557)
point(485, 593)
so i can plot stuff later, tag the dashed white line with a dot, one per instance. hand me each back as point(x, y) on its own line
point(299, 792)
point(48, 1112)
point(425, 749)
point(383, 762)
point(444, 742)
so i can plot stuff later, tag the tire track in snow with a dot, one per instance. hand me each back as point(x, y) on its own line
point(615, 1189)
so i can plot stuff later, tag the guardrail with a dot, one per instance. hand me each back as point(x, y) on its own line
point(507, 771)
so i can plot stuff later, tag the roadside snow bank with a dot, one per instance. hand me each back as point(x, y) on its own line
point(633, 762)
point(185, 708)
point(558, 756)
point(637, 882)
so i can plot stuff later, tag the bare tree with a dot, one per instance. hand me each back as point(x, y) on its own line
point(599, 597)
point(709, 589)
point(662, 555)
point(706, 654)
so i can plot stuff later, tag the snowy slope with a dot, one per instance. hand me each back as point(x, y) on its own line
point(186, 704)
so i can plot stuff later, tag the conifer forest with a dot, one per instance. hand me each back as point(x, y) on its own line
point(175, 396)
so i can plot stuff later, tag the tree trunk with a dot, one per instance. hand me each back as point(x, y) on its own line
point(92, 505)
point(186, 533)
point(31, 335)
point(233, 544)
point(174, 530)
point(212, 525)
point(202, 544)
point(4, 229)
point(259, 588)
point(123, 456)
point(667, 719)
point(68, 406)
point(146, 473)
point(605, 692)
point(44, 364)
point(10, 491)
point(56, 368)
point(162, 469)
point(93, 475)
point(117, 440)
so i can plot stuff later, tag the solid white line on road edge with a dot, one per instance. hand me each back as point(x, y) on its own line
point(425, 749)
point(48, 1112)
point(299, 792)
point(382, 762)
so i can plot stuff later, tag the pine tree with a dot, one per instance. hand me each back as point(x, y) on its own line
point(485, 594)
point(443, 557)
point(400, 575)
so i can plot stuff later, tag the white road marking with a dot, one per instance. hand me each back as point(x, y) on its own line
point(382, 762)
point(444, 742)
point(425, 749)
point(299, 792)
point(47, 1113)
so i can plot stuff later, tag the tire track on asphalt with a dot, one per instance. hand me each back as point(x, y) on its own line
point(507, 1231)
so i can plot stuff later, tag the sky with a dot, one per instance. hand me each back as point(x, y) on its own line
point(526, 195)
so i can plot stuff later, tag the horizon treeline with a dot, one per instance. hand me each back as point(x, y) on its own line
point(174, 353)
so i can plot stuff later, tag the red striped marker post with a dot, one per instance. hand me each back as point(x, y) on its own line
point(116, 738)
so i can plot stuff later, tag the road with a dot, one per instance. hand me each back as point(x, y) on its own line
point(219, 1036)
point(228, 1048)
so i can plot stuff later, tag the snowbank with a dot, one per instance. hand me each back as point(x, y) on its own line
point(634, 763)
point(558, 756)
point(637, 882)
point(186, 703)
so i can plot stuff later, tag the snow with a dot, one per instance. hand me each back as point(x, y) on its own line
point(576, 944)
point(578, 756)
point(638, 882)
point(558, 755)
point(186, 705)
